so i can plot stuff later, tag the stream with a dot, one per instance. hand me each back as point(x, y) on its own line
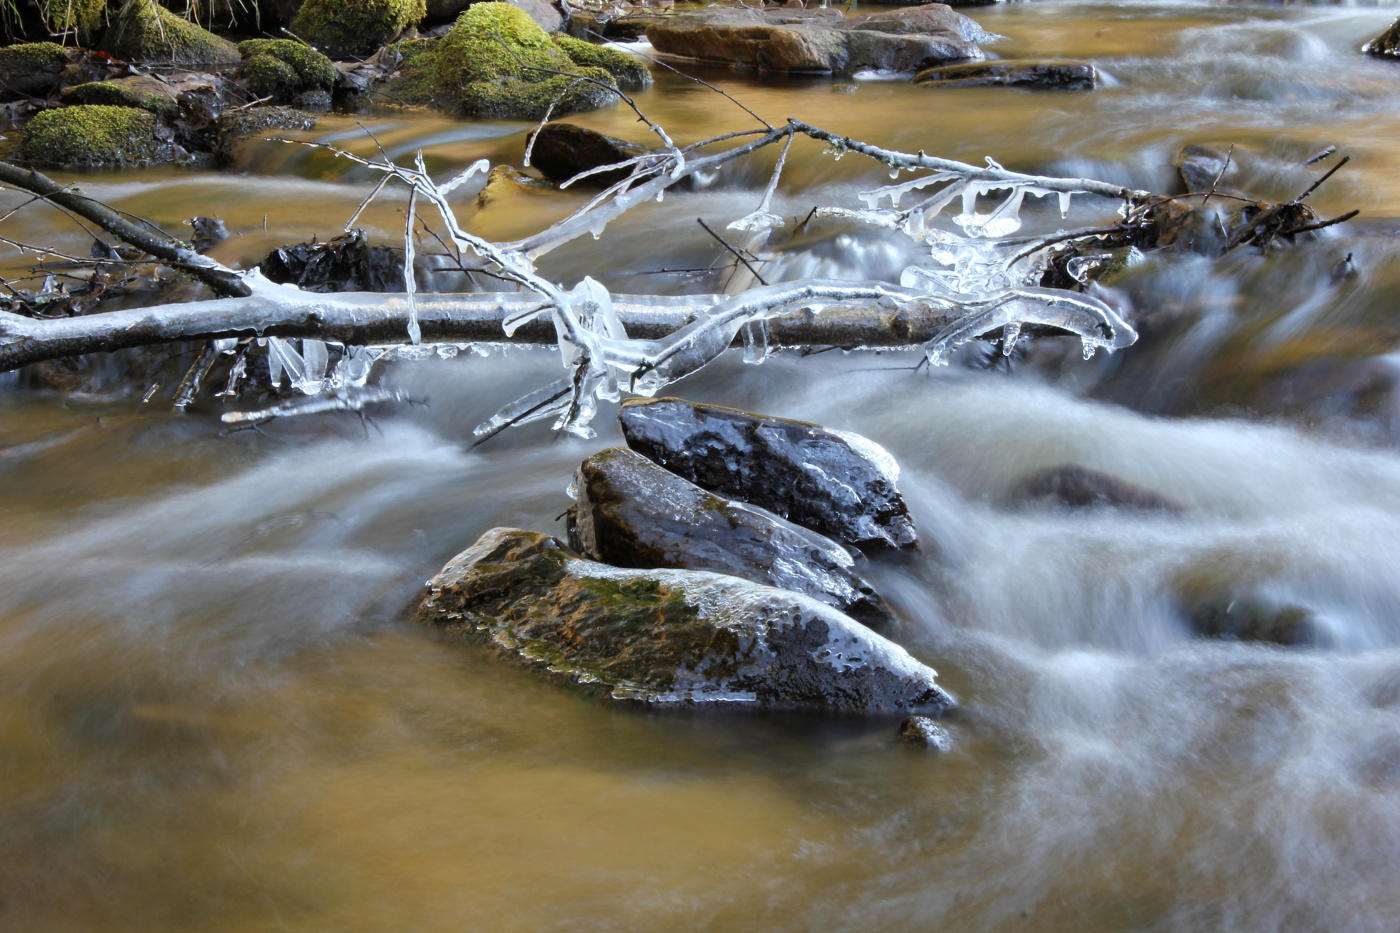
point(217, 714)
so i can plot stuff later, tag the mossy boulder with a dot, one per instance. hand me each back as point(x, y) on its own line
point(497, 62)
point(91, 135)
point(287, 71)
point(667, 636)
point(139, 91)
point(31, 69)
point(344, 28)
point(142, 31)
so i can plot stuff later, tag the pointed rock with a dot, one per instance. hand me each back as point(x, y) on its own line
point(632, 513)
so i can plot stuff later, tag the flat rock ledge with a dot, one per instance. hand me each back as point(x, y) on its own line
point(669, 636)
point(841, 485)
point(789, 41)
point(1033, 75)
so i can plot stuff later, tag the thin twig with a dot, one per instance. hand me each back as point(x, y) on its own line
point(737, 255)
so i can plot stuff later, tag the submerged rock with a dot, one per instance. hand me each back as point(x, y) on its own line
point(1251, 618)
point(821, 41)
point(1080, 487)
point(925, 733)
point(839, 484)
point(667, 636)
point(563, 150)
point(1035, 75)
point(632, 513)
point(505, 182)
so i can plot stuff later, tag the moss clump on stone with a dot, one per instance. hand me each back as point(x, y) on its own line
point(84, 17)
point(497, 62)
point(31, 69)
point(629, 71)
point(145, 32)
point(91, 135)
point(355, 27)
point(282, 69)
point(122, 94)
point(32, 56)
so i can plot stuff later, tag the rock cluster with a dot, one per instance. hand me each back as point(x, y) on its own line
point(668, 592)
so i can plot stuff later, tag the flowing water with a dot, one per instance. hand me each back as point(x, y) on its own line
point(215, 713)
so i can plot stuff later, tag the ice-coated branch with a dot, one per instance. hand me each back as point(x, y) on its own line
point(376, 319)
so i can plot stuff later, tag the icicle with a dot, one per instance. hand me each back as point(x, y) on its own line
point(755, 335)
point(315, 358)
point(1009, 335)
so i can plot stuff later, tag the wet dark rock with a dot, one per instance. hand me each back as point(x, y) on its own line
point(1034, 75)
point(632, 513)
point(206, 231)
point(1253, 618)
point(345, 264)
point(1387, 44)
point(821, 41)
point(563, 150)
point(925, 733)
point(666, 636)
point(839, 484)
point(1080, 487)
point(232, 127)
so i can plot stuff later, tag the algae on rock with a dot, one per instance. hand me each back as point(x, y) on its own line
point(355, 27)
point(91, 135)
point(497, 62)
point(143, 31)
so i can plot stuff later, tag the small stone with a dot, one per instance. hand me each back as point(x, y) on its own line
point(924, 732)
point(1079, 487)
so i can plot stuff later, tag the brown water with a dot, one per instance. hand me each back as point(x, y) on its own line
point(215, 715)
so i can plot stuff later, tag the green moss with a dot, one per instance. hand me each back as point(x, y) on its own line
point(497, 62)
point(355, 27)
point(629, 71)
point(93, 135)
point(32, 56)
point(282, 69)
point(84, 17)
point(121, 94)
point(145, 32)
